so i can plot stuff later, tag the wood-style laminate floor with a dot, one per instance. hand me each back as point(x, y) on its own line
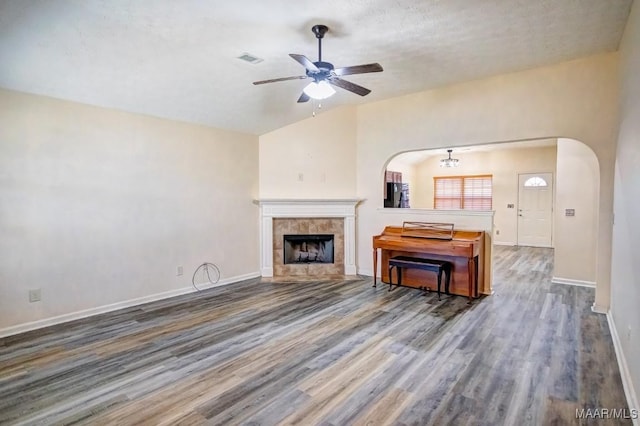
point(325, 352)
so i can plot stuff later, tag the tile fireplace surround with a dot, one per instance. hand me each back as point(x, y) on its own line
point(270, 209)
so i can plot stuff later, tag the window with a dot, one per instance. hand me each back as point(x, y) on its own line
point(462, 192)
point(535, 181)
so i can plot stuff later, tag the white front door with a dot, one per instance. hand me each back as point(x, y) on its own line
point(535, 209)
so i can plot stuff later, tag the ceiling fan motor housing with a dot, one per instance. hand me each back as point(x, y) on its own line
point(325, 71)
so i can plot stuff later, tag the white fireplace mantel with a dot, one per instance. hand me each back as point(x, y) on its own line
point(310, 208)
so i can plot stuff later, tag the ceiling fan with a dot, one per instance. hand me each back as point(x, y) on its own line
point(324, 74)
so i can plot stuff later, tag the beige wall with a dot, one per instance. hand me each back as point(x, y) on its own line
point(99, 207)
point(625, 271)
point(504, 166)
point(577, 182)
point(576, 99)
point(313, 158)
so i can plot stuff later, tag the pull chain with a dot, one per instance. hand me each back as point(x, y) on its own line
point(313, 107)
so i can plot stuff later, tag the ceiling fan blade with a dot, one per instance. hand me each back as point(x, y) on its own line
point(358, 69)
point(273, 80)
point(347, 85)
point(305, 62)
point(303, 98)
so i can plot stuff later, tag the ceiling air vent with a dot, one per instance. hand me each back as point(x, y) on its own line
point(247, 57)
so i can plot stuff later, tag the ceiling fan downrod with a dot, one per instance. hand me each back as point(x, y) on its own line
point(320, 31)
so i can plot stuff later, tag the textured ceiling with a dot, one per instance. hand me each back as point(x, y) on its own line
point(178, 59)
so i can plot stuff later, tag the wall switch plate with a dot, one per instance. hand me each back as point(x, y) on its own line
point(569, 212)
point(300, 177)
point(497, 233)
point(179, 271)
point(35, 295)
point(628, 333)
point(510, 206)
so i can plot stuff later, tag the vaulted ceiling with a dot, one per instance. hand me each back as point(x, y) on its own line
point(179, 59)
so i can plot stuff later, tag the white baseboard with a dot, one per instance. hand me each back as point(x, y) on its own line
point(502, 243)
point(367, 272)
point(34, 325)
point(627, 383)
point(569, 281)
point(599, 309)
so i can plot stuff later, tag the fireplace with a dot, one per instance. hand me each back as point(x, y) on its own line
point(281, 217)
point(314, 248)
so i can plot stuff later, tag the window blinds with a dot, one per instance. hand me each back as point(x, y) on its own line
point(463, 192)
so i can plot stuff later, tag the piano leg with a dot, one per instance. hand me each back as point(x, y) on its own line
point(472, 277)
point(375, 265)
point(476, 289)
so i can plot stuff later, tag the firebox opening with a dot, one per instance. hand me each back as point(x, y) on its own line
point(316, 248)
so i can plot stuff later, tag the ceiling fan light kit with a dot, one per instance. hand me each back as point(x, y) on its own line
point(319, 90)
point(324, 74)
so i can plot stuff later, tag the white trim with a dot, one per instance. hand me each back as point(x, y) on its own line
point(599, 309)
point(569, 281)
point(311, 208)
point(307, 201)
point(266, 246)
point(496, 243)
point(350, 245)
point(627, 383)
point(366, 272)
point(308, 208)
point(34, 325)
point(438, 212)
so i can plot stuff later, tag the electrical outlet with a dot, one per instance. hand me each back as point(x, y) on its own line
point(300, 177)
point(497, 232)
point(628, 333)
point(179, 271)
point(35, 295)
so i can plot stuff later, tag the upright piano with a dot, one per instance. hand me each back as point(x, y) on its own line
point(464, 249)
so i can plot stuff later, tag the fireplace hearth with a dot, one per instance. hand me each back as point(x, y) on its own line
point(316, 248)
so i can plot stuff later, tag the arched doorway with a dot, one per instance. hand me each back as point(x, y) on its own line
point(574, 181)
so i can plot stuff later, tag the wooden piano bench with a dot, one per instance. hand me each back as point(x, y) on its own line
point(437, 266)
